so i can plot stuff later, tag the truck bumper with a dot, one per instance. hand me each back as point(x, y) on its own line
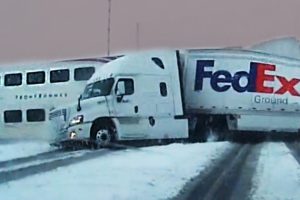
point(74, 136)
point(79, 132)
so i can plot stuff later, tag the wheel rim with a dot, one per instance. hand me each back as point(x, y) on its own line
point(103, 137)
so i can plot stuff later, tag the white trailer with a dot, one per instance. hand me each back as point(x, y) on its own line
point(180, 94)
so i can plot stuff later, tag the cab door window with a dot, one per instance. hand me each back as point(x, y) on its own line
point(125, 84)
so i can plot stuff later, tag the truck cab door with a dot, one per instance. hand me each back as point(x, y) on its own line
point(125, 103)
point(126, 110)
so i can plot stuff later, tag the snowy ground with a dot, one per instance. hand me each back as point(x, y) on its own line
point(13, 150)
point(157, 172)
point(277, 175)
point(146, 173)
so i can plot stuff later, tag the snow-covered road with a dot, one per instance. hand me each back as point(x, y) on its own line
point(158, 172)
point(277, 174)
point(145, 173)
point(20, 149)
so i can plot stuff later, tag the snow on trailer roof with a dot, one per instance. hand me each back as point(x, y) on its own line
point(287, 47)
point(251, 54)
point(45, 64)
point(105, 59)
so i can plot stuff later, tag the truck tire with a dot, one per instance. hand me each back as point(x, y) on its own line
point(102, 136)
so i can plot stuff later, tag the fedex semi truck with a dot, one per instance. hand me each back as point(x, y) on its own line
point(172, 94)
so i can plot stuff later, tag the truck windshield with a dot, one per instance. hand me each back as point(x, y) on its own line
point(99, 88)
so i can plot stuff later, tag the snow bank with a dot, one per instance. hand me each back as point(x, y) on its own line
point(278, 174)
point(146, 173)
point(13, 150)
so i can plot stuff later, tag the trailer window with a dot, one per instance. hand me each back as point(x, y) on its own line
point(13, 79)
point(35, 78)
point(83, 73)
point(61, 75)
point(129, 86)
point(12, 116)
point(35, 115)
point(163, 89)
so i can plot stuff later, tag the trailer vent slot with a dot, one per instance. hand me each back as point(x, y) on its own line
point(158, 62)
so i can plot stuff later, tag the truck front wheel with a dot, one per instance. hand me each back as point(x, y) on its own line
point(102, 136)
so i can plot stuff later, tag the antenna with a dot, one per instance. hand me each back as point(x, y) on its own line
point(137, 36)
point(108, 28)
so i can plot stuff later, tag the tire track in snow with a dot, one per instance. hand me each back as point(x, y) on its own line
point(294, 148)
point(277, 173)
point(46, 165)
point(229, 178)
point(18, 161)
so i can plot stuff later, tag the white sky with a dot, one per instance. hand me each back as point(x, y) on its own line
point(53, 29)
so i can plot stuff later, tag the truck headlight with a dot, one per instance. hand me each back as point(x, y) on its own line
point(76, 120)
point(72, 135)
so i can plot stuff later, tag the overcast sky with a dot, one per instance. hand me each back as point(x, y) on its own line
point(55, 29)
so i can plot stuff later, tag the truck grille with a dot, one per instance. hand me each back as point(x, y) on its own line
point(58, 113)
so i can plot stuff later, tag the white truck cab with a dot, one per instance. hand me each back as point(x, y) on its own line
point(135, 97)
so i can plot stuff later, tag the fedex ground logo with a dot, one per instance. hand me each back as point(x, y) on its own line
point(257, 75)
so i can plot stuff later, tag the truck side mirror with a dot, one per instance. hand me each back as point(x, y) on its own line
point(120, 90)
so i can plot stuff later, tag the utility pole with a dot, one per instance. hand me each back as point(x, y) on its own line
point(108, 28)
point(137, 36)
